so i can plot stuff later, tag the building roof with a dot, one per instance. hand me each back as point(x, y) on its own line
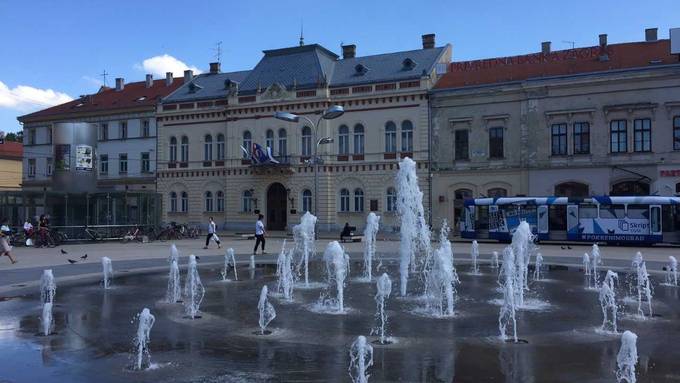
point(133, 95)
point(557, 63)
point(11, 150)
point(207, 86)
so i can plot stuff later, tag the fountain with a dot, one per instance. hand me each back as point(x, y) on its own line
point(267, 312)
point(442, 278)
point(107, 270)
point(608, 302)
point(384, 287)
point(494, 260)
point(304, 235)
point(586, 264)
point(627, 358)
point(193, 289)
point(361, 359)
point(672, 271)
point(229, 260)
point(174, 254)
point(46, 319)
point(372, 226)
point(415, 234)
point(474, 254)
point(522, 247)
point(537, 267)
point(632, 277)
point(644, 288)
point(141, 341)
point(597, 260)
point(284, 269)
point(507, 280)
point(337, 269)
point(47, 287)
point(174, 291)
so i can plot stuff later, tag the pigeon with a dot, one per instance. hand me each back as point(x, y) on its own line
point(198, 258)
point(562, 247)
point(569, 247)
point(84, 257)
point(63, 251)
point(71, 261)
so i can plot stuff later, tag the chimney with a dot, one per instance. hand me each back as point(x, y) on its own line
point(120, 84)
point(188, 75)
point(168, 78)
point(428, 41)
point(603, 40)
point(215, 68)
point(149, 80)
point(545, 47)
point(650, 34)
point(349, 51)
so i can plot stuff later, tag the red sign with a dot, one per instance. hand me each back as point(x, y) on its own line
point(670, 173)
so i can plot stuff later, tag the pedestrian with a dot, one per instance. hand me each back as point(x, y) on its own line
point(28, 232)
point(43, 226)
point(212, 234)
point(5, 248)
point(259, 234)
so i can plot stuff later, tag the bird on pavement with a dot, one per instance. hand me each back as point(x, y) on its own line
point(63, 251)
point(569, 247)
point(562, 247)
point(84, 257)
point(198, 258)
point(71, 261)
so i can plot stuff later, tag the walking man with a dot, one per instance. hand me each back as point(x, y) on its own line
point(259, 234)
point(212, 234)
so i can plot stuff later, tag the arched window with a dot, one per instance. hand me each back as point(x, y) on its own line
point(306, 200)
point(269, 139)
point(207, 148)
point(343, 140)
point(185, 202)
point(497, 192)
point(358, 200)
point(390, 137)
point(630, 188)
point(283, 143)
point(173, 202)
point(247, 201)
point(306, 141)
point(344, 200)
point(407, 136)
point(173, 149)
point(208, 200)
point(247, 144)
point(391, 199)
point(184, 149)
point(220, 201)
point(220, 147)
point(358, 139)
point(572, 189)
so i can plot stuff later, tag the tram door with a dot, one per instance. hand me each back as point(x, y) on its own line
point(655, 220)
point(543, 222)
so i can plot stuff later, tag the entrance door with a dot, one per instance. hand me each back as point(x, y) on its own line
point(276, 207)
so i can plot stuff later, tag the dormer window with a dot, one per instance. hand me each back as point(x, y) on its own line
point(193, 88)
point(408, 64)
point(141, 98)
point(360, 69)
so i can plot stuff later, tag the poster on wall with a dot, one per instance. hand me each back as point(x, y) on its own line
point(84, 157)
point(62, 157)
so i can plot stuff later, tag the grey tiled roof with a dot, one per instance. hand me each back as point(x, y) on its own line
point(208, 86)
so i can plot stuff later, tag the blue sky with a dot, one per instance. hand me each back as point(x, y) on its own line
point(53, 50)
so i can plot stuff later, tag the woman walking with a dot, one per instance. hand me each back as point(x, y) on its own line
point(5, 248)
point(259, 234)
point(212, 234)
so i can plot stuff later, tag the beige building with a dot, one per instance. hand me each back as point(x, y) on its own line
point(601, 120)
point(210, 127)
point(10, 165)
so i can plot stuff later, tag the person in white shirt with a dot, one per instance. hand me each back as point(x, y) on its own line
point(5, 248)
point(259, 234)
point(212, 234)
point(28, 228)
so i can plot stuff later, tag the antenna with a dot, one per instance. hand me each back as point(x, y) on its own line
point(103, 75)
point(569, 42)
point(218, 51)
point(302, 35)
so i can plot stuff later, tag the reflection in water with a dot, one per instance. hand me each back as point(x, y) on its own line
point(516, 363)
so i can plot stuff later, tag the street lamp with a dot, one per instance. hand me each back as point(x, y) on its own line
point(334, 111)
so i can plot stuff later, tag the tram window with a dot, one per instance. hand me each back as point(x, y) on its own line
point(638, 211)
point(612, 211)
point(667, 218)
point(557, 217)
point(482, 219)
point(587, 211)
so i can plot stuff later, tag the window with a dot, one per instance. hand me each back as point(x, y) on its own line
point(247, 144)
point(283, 143)
point(104, 164)
point(269, 139)
point(407, 136)
point(497, 192)
point(572, 189)
point(220, 201)
point(247, 201)
point(358, 139)
point(104, 132)
point(185, 202)
point(390, 137)
point(676, 133)
point(618, 132)
point(343, 140)
point(462, 151)
point(122, 130)
point(344, 200)
point(173, 149)
point(220, 147)
point(391, 199)
point(49, 134)
point(559, 139)
point(208, 201)
point(581, 138)
point(122, 163)
point(496, 142)
point(31, 136)
point(358, 200)
point(207, 148)
point(31, 167)
point(184, 149)
point(306, 200)
point(173, 202)
point(306, 141)
point(146, 128)
point(630, 188)
point(642, 135)
point(145, 165)
point(49, 166)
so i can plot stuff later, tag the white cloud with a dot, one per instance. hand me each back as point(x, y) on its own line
point(159, 65)
point(25, 98)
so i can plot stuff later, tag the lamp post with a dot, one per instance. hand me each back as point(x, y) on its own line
point(331, 113)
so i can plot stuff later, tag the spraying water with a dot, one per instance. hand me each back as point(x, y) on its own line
point(672, 271)
point(627, 358)
point(474, 254)
point(229, 261)
point(597, 260)
point(46, 320)
point(607, 298)
point(537, 267)
point(304, 235)
point(507, 280)
point(522, 247)
point(361, 359)
point(384, 287)
point(174, 254)
point(636, 263)
point(441, 280)
point(141, 341)
point(372, 226)
point(174, 292)
point(267, 312)
point(193, 289)
point(415, 235)
point(284, 269)
point(644, 288)
point(47, 287)
point(107, 270)
point(494, 260)
point(586, 264)
point(337, 269)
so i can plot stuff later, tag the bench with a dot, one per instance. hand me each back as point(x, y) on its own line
point(353, 238)
point(245, 235)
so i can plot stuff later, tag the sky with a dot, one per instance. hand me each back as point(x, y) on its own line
point(53, 51)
